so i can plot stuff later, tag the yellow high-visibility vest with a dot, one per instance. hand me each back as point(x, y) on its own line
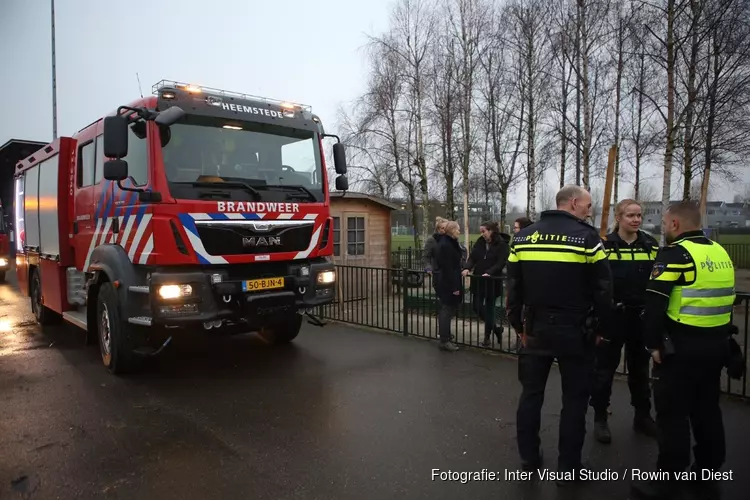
point(708, 301)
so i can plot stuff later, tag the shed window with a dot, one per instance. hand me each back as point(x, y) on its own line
point(355, 236)
point(336, 236)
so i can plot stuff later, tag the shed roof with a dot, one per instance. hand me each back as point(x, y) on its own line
point(364, 196)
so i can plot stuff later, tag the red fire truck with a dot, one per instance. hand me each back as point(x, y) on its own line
point(191, 208)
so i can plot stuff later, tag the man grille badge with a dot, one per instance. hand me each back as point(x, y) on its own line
point(261, 226)
point(261, 241)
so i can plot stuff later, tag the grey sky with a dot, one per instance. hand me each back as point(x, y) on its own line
point(297, 50)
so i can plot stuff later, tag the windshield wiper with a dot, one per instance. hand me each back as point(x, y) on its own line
point(227, 184)
point(297, 187)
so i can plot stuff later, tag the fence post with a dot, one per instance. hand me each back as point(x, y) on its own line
point(404, 310)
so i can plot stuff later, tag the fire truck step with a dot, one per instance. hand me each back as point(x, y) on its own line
point(140, 320)
point(77, 318)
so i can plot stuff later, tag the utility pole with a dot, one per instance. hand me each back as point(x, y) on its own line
point(54, 78)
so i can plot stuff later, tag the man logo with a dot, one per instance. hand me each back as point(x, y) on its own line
point(261, 227)
point(261, 241)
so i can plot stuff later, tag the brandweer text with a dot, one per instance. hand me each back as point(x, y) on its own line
point(240, 206)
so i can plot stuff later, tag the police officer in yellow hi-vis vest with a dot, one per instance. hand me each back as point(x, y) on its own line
point(687, 325)
point(557, 275)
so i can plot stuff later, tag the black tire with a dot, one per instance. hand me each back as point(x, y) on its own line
point(43, 314)
point(2, 276)
point(114, 338)
point(282, 331)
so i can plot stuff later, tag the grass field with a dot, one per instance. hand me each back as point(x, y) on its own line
point(404, 241)
point(738, 239)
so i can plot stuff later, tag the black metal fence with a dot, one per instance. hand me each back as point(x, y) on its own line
point(402, 300)
point(739, 253)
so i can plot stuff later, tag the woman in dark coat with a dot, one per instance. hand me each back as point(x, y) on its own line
point(449, 283)
point(486, 263)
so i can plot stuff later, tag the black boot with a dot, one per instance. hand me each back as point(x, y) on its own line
point(601, 428)
point(499, 334)
point(486, 342)
point(644, 424)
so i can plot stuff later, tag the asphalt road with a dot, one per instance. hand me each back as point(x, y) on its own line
point(341, 413)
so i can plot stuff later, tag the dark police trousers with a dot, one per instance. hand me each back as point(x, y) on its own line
point(575, 372)
point(483, 301)
point(629, 333)
point(686, 393)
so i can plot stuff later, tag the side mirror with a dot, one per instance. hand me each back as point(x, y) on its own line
point(169, 116)
point(342, 183)
point(116, 170)
point(115, 136)
point(339, 158)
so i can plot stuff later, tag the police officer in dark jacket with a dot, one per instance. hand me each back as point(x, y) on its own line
point(631, 254)
point(687, 330)
point(557, 275)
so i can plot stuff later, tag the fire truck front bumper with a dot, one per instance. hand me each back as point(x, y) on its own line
point(216, 298)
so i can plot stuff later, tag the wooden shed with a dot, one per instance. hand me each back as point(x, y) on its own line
point(362, 244)
point(361, 229)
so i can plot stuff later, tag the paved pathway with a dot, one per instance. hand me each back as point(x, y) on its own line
point(342, 413)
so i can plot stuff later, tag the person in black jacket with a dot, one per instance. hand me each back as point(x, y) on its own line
point(449, 284)
point(631, 254)
point(430, 246)
point(486, 262)
point(558, 279)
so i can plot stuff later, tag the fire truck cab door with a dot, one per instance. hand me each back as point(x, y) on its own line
point(89, 188)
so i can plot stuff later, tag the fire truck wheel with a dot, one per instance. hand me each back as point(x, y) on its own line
point(43, 314)
point(114, 342)
point(2, 276)
point(283, 330)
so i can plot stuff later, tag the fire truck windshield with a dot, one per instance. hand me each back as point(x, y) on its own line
point(206, 156)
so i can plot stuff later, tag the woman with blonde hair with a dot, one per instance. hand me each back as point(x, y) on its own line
point(631, 254)
point(430, 246)
point(449, 283)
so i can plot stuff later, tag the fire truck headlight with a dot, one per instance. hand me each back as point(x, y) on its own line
point(326, 277)
point(168, 292)
point(3, 262)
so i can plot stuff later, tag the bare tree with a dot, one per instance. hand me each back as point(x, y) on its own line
point(445, 101)
point(640, 137)
point(413, 31)
point(530, 42)
point(729, 85)
point(502, 110)
point(467, 20)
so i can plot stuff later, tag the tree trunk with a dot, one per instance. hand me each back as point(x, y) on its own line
point(670, 132)
point(531, 167)
point(578, 94)
point(587, 118)
point(639, 125)
point(564, 113)
point(692, 94)
point(710, 128)
point(618, 92)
